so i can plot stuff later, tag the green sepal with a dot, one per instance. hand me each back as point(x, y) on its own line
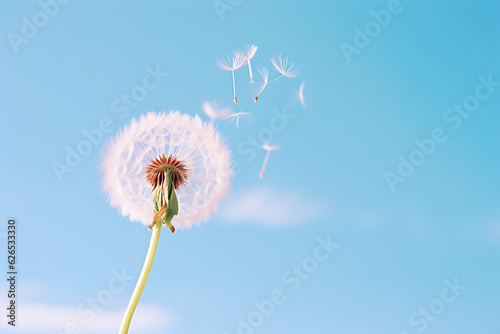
point(170, 186)
point(173, 204)
point(173, 207)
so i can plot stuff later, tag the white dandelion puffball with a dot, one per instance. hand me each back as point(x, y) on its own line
point(195, 144)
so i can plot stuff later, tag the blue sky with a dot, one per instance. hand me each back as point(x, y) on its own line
point(398, 248)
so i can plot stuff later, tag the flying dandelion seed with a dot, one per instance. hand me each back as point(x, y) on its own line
point(245, 115)
point(250, 52)
point(269, 149)
point(168, 168)
point(300, 94)
point(280, 65)
point(213, 112)
point(232, 65)
point(264, 73)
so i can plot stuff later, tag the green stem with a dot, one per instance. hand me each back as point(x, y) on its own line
point(155, 236)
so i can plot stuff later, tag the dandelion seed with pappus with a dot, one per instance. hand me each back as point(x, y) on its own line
point(245, 115)
point(264, 73)
point(282, 66)
point(300, 94)
point(214, 112)
point(227, 64)
point(250, 52)
point(268, 149)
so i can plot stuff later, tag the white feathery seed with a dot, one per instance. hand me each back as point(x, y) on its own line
point(300, 94)
point(214, 112)
point(281, 65)
point(264, 73)
point(227, 64)
point(250, 53)
point(269, 149)
point(245, 115)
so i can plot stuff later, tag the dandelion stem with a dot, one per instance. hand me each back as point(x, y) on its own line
point(155, 236)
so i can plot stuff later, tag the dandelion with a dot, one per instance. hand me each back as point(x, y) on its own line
point(264, 73)
point(280, 65)
point(245, 115)
point(165, 168)
point(269, 149)
point(250, 52)
point(227, 65)
point(213, 112)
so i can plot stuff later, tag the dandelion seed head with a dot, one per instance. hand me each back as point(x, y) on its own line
point(132, 162)
point(159, 166)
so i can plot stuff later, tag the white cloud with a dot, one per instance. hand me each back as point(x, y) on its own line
point(270, 206)
point(39, 317)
